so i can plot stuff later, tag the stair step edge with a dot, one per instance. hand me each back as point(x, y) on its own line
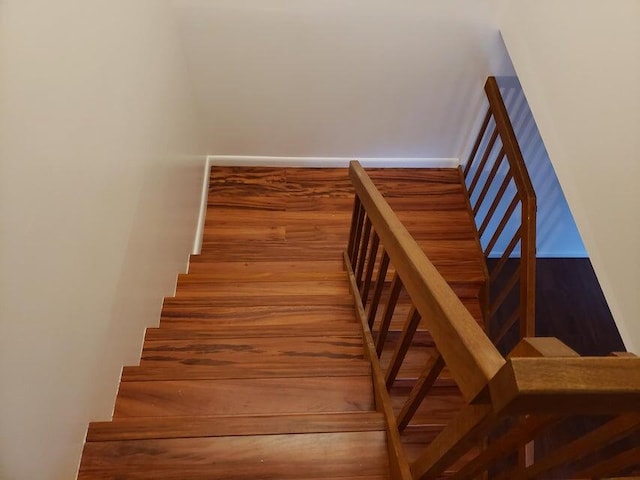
point(233, 425)
point(336, 368)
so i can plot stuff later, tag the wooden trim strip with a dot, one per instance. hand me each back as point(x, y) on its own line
point(471, 357)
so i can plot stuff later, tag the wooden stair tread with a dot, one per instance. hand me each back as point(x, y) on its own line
point(233, 351)
point(244, 396)
point(335, 329)
point(215, 277)
point(256, 314)
point(263, 289)
point(211, 265)
point(310, 368)
point(260, 300)
point(220, 426)
point(297, 456)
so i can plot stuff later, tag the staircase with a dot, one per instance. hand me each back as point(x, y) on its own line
point(336, 325)
point(257, 369)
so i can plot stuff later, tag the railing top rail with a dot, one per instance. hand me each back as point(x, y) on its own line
point(471, 357)
point(509, 142)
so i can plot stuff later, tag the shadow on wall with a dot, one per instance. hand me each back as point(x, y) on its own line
point(557, 233)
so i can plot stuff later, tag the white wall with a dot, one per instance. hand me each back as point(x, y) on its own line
point(99, 187)
point(373, 78)
point(579, 65)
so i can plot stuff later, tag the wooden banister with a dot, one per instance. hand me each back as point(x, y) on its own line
point(509, 403)
point(499, 132)
point(469, 354)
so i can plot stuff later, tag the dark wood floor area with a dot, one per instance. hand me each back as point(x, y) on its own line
point(570, 305)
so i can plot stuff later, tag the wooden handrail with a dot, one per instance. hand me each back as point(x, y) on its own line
point(525, 196)
point(466, 350)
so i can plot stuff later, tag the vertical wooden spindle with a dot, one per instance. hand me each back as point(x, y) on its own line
point(394, 293)
point(377, 291)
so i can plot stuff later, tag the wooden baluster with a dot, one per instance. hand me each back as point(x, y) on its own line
point(465, 430)
point(494, 204)
point(489, 181)
point(404, 343)
point(502, 296)
point(476, 146)
point(483, 162)
point(523, 433)
point(495, 271)
point(506, 326)
point(613, 466)
point(377, 292)
point(373, 255)
point(503, 223)
point(427, 378)
point(394, 293)
point(363, 251)
point(611, 431)
point(354, 226)
point(358, 234)
point(528, 269)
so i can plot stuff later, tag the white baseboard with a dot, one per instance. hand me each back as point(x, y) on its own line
point(331, 162)
point(204, 196)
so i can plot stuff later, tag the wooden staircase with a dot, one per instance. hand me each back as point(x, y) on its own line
point(257, 369)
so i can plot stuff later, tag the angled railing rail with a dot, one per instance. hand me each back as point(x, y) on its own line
point(496, 188)
point(508, 403)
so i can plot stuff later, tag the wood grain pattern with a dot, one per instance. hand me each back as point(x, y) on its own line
point(234, 425)
point(470, 356)
point(342, 329)
point(257, 369)
point(234, 351)
point(259, 456)
point(243, 396)
point(311, 368)
point(204, 314)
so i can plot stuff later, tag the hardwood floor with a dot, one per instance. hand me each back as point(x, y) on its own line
point(570, 305)
point(257, 366)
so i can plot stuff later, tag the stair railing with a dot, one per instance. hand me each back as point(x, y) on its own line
point(508, 403)
point(377, 241)
point(495, 189)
